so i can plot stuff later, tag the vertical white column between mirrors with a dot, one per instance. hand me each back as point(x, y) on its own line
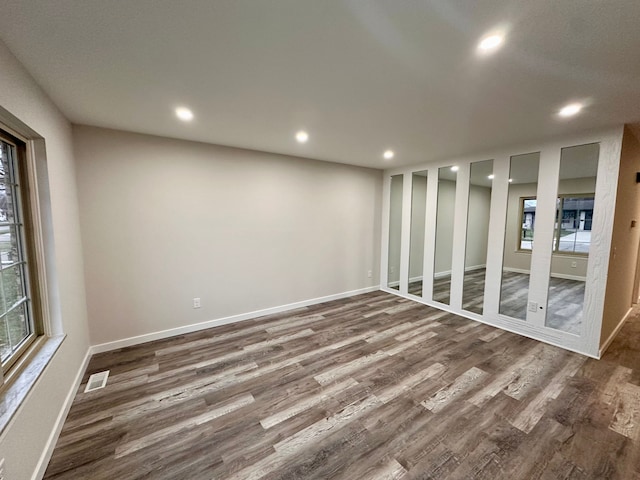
point(547, 191)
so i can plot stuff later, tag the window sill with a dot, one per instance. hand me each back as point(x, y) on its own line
point(19, 384)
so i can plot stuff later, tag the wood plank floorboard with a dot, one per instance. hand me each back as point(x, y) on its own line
point(369, 387)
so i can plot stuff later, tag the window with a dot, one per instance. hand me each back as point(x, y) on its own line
point(19, 326)
point(574, 216)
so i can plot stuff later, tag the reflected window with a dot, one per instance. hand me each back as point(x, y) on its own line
point(574, 217)
point(527, 222)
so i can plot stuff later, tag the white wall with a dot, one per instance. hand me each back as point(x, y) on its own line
point(24, 440)
point(164, 221)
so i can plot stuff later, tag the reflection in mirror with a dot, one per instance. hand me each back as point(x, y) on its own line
point(444, 234)
point(418, 213)
point(475, 259)
point(572, 237)
point(395, 232)
point(518, 238)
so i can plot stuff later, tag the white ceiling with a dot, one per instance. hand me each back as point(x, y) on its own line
point(360, 76)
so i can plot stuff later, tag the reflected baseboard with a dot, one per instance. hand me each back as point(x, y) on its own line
point(447, 273)
point(554, 275)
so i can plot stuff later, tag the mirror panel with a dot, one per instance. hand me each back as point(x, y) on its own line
point(518, 239)
point(418, 217)
point(572, 237)
point(395, 232)
point(444, 234)
point(475, 259)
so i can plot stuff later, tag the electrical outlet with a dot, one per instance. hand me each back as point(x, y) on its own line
point(196, 304)
point(369, 274)
point(574, 264)
point(533, 306)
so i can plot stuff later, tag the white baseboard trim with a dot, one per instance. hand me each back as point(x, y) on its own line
point(554, 275)
point(43, 463)
point(615, 332)
point(172, 332)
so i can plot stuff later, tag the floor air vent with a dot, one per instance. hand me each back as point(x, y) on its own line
point(97, 381)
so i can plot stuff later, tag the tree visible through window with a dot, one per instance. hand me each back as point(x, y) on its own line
point(574, 218)
point(17, 328)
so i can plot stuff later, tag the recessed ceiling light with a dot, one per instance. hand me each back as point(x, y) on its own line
point(510, 180)
point(490, 177)
point(570, 110)
point(388, 154)
point(184, 114)
point(302, 136)
point(454, 168)
point(490, 43)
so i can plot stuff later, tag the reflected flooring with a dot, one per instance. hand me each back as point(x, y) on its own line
point(566, 297)
point(473, 293)
point(564, 309)
point(373, 386)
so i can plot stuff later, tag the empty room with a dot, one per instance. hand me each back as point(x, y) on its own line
point(338, 239)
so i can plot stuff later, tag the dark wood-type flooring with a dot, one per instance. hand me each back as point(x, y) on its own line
point(370, 387)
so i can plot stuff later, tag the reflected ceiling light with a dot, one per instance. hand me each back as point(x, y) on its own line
point(302, 136)
point(490, 177)
point(490, 43)
point(184, 114)
point(510, 180)
point(454, 168)
point(388, 154)
point(570, 110)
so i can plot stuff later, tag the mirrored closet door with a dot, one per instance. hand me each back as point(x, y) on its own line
point(519, 235)
point(395, 232)
point(475, 258)
point(445, 216)
point(572, 237)
point(418, 223)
